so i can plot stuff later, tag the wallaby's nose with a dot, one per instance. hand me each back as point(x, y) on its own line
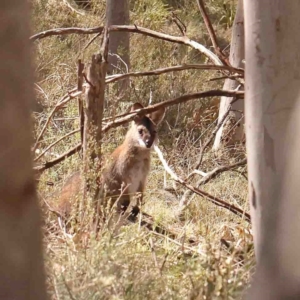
point(148, 143)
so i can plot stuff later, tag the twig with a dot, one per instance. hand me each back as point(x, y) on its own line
point(135, 29)
point(181, 26)
point(212, 33)
point(91, 41)
point(56, 161)
point(71, 95)
point(232, 77)
point(113, 78)
point(182, 99)
point(239, 212)
point(214, 132)
point(80, 75)
point(54, 143)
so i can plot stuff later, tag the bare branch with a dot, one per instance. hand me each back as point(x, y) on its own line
point(54, 143)
point(219, 170)
point(239, 212)
point(212, 33)
point(122, 119)
point(71, 95)
point(49, 164)
point(64, 31)
point(113, 78)
point(135, 29)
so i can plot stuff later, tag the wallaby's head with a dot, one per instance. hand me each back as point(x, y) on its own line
point(143, 128)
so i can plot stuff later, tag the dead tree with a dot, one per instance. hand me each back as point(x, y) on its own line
point(237, 55)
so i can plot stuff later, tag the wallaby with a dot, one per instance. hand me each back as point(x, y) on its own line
point(127, 171)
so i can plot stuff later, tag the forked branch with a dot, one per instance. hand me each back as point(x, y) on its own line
point(71, 95)
point(56, 161)
point(56, 142)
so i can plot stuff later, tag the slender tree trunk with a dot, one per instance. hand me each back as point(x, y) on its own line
point(21, 261)
point(117, 13)
point(237, 54)
point(273, 88)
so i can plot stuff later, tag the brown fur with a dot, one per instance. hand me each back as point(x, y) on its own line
point(126, 173)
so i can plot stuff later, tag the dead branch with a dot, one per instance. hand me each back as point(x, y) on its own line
point(122, 119)
point(113, 78)
point(181, 26)
point(54, 143)
point(93, 113)
point(212, 33)
point(71, 95)
point(212, 174)
point(64, 31)
point(49, 164)
point(134, 29)
point(239, 212)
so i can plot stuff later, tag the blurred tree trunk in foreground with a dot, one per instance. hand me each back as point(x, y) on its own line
point(21, 261)
point(272, 96)
point(237, 55)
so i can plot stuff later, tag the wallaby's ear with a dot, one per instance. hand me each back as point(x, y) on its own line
point(136, 105)
point(158, 115)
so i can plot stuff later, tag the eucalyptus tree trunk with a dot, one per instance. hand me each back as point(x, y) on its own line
point(21, 261)
point(237, 55)
point(272, 92)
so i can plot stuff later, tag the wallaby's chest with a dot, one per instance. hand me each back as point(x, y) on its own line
point(137, 175)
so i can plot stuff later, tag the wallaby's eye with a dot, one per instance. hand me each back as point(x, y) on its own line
point(141, 131)
point(154, 131)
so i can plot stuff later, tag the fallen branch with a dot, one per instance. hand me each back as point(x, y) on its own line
point(54, 143)
point(135, 29)
point(113, 78)
point(239, 212)
point(212, 33)
point(56, 161)
point(122, 119)
point(71, 95)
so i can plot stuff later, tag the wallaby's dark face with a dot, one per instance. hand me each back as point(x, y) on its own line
point(143, 128)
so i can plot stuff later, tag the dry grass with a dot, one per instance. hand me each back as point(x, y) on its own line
point(135, 263)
